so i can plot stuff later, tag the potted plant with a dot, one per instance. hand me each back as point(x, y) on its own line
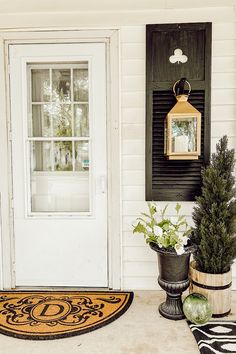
point(214, 234)
point(169, 237)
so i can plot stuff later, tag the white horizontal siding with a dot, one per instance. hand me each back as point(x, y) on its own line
point(219, 80)
point(139, 262)
point(225, 47)
point(133, 115)
point(223, 113)
point(141, 283)
point(138, 254)
point(136, 16)
point(133, 147)
point(133, 193)
point(135, 162)
point(224, 64)
point(225, 30)
point(223, 96)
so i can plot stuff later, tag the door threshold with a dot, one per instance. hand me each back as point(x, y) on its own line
point(58, 288)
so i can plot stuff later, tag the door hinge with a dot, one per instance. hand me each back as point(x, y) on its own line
point(12, 205)
point(13, 271)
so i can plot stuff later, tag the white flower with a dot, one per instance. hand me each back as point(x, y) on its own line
point(182, 239)
point(174, 220)
point(179, 249)
point(158, 230)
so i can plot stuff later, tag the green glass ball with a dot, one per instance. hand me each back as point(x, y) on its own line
point(197, 309)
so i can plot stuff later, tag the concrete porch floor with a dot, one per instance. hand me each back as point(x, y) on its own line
point(141, 330)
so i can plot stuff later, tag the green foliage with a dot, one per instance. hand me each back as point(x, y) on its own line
point(215, 213)
point(169, 233)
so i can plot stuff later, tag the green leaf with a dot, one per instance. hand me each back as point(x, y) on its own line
point(177, 208)
point(164, 211)
point(147, 216)
point(139, 228)
point(152, 208)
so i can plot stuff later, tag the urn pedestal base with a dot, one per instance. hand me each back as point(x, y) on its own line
point(172, 308)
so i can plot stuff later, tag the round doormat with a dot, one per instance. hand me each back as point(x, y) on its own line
point(51, 315)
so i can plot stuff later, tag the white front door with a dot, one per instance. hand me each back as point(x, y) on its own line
point(58, 122)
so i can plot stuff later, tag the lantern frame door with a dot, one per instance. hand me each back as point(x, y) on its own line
point(184, 155)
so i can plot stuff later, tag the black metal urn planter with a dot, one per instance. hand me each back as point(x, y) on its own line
point(173, 278)
point(169, 237)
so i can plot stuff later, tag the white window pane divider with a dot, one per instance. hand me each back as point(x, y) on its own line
point(72, 116)
point(57, 138)
point(59, 102)
point(81, 65)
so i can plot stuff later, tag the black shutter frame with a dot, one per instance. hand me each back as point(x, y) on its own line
point(201, 95)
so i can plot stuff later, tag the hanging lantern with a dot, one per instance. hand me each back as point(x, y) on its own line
point(183, 129)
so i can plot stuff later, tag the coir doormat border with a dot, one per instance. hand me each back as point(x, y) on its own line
point(119, 311)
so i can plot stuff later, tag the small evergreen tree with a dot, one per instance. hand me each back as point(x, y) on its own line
point(214, 214)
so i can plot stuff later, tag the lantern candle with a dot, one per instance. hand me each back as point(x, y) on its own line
point(180, 143)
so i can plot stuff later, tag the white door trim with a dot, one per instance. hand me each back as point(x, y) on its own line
point(111, 38)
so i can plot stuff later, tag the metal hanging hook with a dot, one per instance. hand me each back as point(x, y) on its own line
point(184, 81)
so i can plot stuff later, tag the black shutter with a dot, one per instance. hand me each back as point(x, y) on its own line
point(175, 179)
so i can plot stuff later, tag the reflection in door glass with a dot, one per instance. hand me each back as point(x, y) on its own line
point(41, 125)
point(63, 156)
point(61, 85)
point(80, 85)
point(41, 155)
point(40, 85)
point(58, 135)
point(81, 156)
point(81, 120)
point(62, 120)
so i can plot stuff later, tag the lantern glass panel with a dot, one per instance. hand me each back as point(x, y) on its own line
point(184, 135)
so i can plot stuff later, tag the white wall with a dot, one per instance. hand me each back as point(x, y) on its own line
point(139, 263)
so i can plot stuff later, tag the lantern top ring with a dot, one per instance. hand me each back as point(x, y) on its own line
point(189, 87)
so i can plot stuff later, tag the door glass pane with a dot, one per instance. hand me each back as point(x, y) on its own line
point(41, 125)
point(80, 85)
point(61, 117)
point(81, 156)
point(58, 136)
point(63, 156)
point(40, 85)
point(81, 120)
point(41, 156)
point(61, 85)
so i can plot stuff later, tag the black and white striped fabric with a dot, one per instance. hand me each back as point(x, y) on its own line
point(215, 337)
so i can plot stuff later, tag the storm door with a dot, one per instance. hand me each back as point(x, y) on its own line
point(58, 118)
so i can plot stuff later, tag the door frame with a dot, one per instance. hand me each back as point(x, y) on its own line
point(111, 39)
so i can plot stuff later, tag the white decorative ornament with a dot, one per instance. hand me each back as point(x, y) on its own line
point(178, 57)
point(220, 329)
